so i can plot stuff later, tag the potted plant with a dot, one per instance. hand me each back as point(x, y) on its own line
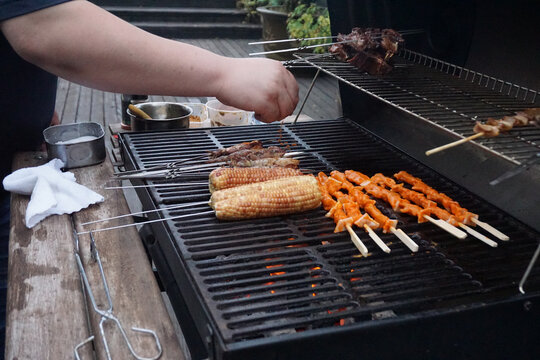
point(309, 21)
point(273, 17)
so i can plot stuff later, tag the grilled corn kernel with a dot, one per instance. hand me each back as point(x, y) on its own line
point(225, 178)
point(270, 198)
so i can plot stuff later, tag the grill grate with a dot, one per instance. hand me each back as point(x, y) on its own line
point(451, 97)
point(287, 275)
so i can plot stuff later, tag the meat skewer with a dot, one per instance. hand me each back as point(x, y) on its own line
point(364, 221)
point(345, 213)
point(368, 49)
point(255, 144)
point(461, 214)
point(336, 211)
point(446, 220)
point(368, 204)
point(493, 127)
point(401, 198)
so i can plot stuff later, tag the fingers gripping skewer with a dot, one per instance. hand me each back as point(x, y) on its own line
point(455, 143)
point(357, 242)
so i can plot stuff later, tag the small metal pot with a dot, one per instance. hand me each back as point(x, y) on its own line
point(76, 145)
point(165, 116)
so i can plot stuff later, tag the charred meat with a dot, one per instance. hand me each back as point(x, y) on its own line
point(368, 49)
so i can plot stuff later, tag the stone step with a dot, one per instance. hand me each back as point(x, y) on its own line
point(176, 30)
point(176, 14)
point(169, 3)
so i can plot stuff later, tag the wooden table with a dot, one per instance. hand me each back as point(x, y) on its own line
point(46, 308)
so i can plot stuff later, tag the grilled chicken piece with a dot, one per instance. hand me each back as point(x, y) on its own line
point(488, 130)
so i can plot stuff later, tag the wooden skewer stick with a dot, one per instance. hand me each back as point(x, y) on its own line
point(373, 235)
point(491, 230)
point(447, 227)
point(400, 234)
point(356, 241)
point(479, 236)
point(455, 143)
point(135, 110)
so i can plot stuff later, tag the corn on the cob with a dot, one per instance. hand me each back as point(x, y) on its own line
point(270, 198)
point(224, 178)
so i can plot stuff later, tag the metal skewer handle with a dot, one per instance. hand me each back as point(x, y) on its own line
point(300, 48)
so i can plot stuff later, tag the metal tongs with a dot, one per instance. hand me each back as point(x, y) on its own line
point(170, 172)
point(107, 313)
point(535, 159)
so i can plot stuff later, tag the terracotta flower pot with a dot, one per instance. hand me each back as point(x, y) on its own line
point(274, 24)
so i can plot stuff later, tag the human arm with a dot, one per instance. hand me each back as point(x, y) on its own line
point(83, 43)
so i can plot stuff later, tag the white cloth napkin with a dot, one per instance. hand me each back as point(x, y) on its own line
point(53, 191)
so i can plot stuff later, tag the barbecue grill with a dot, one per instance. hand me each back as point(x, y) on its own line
point(290, 288)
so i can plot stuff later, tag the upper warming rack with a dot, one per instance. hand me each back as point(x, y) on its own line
point(448, 96)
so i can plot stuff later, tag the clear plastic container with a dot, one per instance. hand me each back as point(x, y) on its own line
point(199, 116)
point(220, 114)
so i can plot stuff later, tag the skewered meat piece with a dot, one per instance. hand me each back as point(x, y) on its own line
point(269, 198)
point(488, 130)
point(461, 214)
point(492, 127)
point(359, 178)
point(533, 114)
point(504, 124)
point(224, 178)
point(251, 154)
point(368, 49)
point(267, 162)
point(255, 144)
point(351, 208)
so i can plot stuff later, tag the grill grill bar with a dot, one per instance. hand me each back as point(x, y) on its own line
point(269, 277)
point(447, 96)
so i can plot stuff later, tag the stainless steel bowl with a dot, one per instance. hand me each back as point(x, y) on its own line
point(165, 116)
point(76, 145)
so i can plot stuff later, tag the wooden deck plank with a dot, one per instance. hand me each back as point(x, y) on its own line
point(134, 290)
point(61, 95)
point(85, 105)
point(45, 306)
point(69, 114)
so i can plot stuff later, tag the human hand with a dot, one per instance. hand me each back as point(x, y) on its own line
point(260, 85)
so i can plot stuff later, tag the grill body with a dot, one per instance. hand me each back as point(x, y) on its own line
point(289, 288)
point(450, 77)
